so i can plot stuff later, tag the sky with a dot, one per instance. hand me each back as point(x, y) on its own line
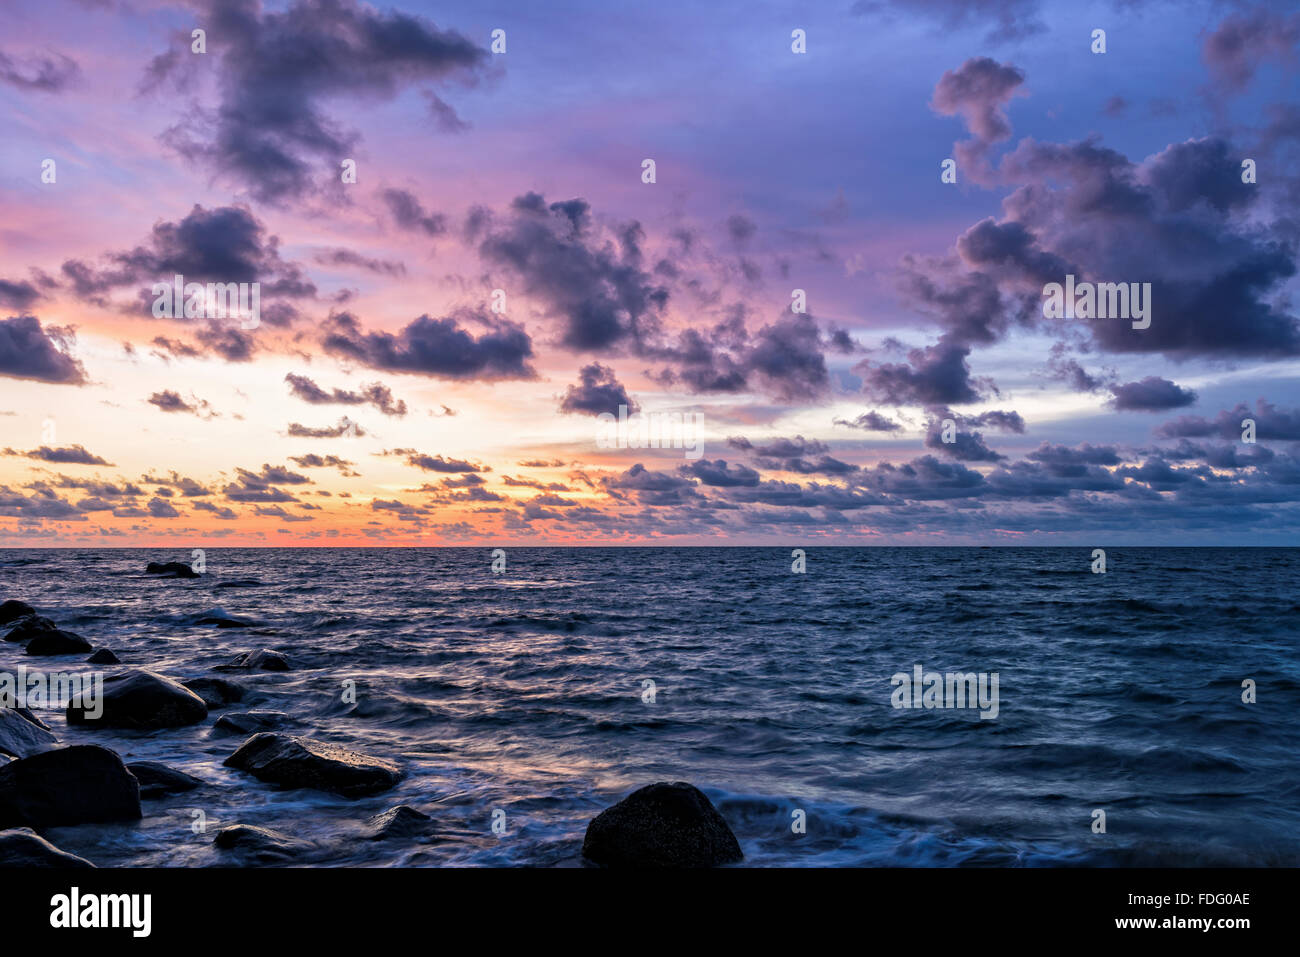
point(812, 243)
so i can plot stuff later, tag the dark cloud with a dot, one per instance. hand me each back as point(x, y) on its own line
point(871, 421)
point(169, 401)
point(435, 463)
point(598, 391)
point(17, 294)
point(409, 214)
point(344, 427)
point(441, 348)
point(375, 393)
point(47, 73)
point(1152, 394)
point(1243, 42)
point(68, 455)
point(29, 352)
point(1270, 423)
point(347, 257)
point(719, 474)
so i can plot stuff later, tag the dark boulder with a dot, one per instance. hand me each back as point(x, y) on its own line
point(402, 821)
point(297, 762)
point(141, 700)
point(44, 637)
point(157, 780)
point(215, 692)
point(13, 609)
point(84, 784)
point(251, 722)
point(21, 738)
point(261, 660)
point(259, 845)
point(23, 847)
point(171, 570)
point(661, 825)
point(103, 657)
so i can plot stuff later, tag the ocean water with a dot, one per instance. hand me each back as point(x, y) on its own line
point(523, 692)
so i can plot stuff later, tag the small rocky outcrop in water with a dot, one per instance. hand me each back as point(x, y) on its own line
point(297, 762)
point(85, 784)
point(258, 844)
point(251, 722)
point(103, 657)
point(158, 780)
point(171, 570)
point(661, 825)
point(216, 692)
point(142, 700)
point(23, 847)
point(402, 821)
point(44, 637)
point(21, 738)
point(13, 609)
point(264, 659)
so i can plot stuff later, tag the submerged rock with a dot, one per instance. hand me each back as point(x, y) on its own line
point(103, 657)
point(661, 825)
point(260, 844)
point(251, 722)
point(296, 762)
point(158, 780)
point(13, 609)
point(215, 692)
point(143, 700)
point(44, 637)
point(23, 847)
point(21, 738)
point(401, 821)
point(171, 570)
point(84, 784)
point(261, 660)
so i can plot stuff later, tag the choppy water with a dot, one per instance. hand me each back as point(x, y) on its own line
point(524, 692)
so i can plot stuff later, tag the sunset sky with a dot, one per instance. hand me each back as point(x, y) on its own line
point(522, 171)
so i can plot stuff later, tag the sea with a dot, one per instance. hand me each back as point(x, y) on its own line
point(1147, 715)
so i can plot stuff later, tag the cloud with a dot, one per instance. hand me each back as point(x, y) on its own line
point(169, 401)
point(1271, 422)
point(1152, 394)
point(375, 393)
point(29, 352)
point(1244, 41)
point(17, 294)
point(598, 392)
point(49, 73)
point(67, 455)
point(440, 348)
point(871, 421)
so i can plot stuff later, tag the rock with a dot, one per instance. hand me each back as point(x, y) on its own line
point(43, 637)
point(251, 722)
point(296, 762)
point(103, 657)
point(84, 784)
point(142, 700)
point(171, 570)
point(260, 844)
point(23, 847)
point(13, 609)
point(157, 780)
point(401, 821)
point(661, 825)
point(215, 692)
point(27, 713)
point(21, 738)
point(261, 660)
point(222, 622)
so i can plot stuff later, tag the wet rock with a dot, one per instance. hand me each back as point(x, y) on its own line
point(142, 700)
point(221, 621)
point(44, 637)
point(23, 847)
point(157, 780)
point(21, 738)
point(104, 657)
point(297, 762)
point(661, 825)
point(261, 660)
point(258, 844)
point(251, 722)
point(31, 716)
point(84, 784)
point(171, 570)
point(216, 692)
point(402, 821)
point(13, 609)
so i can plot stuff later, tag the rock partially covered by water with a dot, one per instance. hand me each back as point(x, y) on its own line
point(141, 700)
point(259, 845)
point(23, 847)
point(216, 692)
point(158, 780)
point(661, 825)
point(21, 738)
point(296, 762)
point(171, 570)
point(44, 637)
point(264, 659)
point(402, 821)
point(103, 656)
point(13, 609)
point(251, 722)
point(85, 784)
